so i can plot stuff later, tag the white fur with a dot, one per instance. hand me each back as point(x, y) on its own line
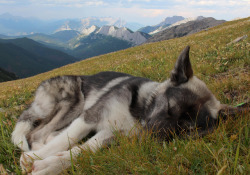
point(70, 136)
point(55, 164)
point(195, 85)
point(19, 133)
point(214, 106)
point(146, 90)
point(116, 115)
point(159, 88)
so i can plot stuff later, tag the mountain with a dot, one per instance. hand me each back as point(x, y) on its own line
point(185, 29)
point(96, 44)
point(26, 57)
point(123, 33)
point(166, 22)
point(91, 29)
point(7, 76)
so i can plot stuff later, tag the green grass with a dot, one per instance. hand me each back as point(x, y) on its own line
point(224, 68)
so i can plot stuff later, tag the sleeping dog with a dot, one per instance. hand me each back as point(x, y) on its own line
point(67, 108)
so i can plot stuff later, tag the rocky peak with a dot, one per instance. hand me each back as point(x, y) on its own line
point(123, 33)
point(91, 29)
point(171, 20)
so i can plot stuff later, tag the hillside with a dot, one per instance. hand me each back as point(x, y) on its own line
point(185, 29)
point(224, 68)
point(25, 57)
point(7, 76)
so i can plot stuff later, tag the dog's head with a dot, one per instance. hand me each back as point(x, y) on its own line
point(184, 102)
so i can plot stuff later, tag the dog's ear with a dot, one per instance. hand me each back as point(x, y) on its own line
point(182, 70)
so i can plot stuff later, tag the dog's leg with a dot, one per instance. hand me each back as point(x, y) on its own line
point(56, 164)
point(70, 136)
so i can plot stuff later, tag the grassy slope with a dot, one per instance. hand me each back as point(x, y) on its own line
point(224, 68)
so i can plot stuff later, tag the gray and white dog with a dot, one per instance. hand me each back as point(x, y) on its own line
point(67, 108)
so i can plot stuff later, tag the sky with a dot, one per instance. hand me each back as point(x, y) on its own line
point(146, 12)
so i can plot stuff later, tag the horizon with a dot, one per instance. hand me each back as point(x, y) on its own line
point(145, 12)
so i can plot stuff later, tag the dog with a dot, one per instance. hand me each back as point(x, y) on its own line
point(67, 108)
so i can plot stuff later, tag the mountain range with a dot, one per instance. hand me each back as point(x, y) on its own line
point(67, 41)
point(92, 41)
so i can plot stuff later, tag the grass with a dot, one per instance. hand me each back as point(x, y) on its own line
point(224, 68)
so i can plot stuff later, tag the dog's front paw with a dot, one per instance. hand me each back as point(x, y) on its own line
point(51, 165)
point(26, 161)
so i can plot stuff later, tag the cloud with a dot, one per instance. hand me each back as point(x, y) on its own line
point(6, 2)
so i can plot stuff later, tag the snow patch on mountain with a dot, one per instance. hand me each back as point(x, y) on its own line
point(176, 24)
